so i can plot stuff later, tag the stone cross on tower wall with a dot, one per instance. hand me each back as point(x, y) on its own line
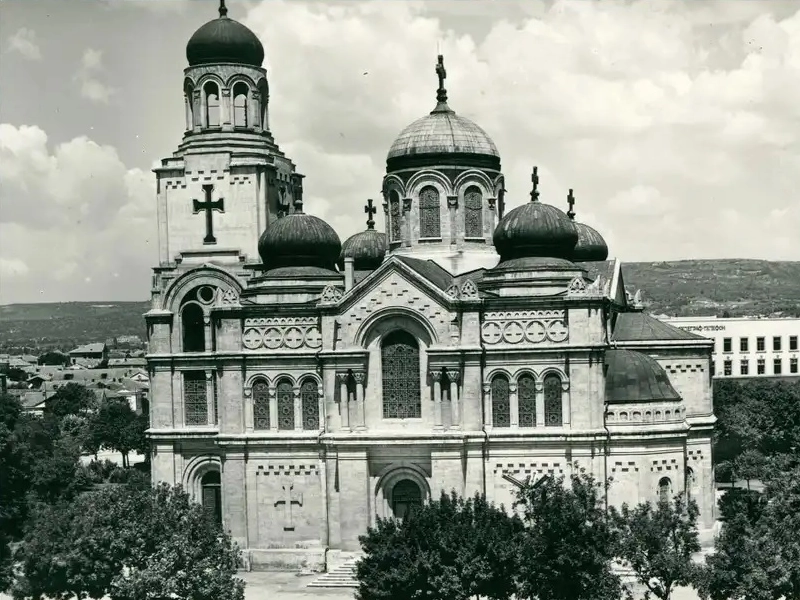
point(289, 500)
point(209, 207)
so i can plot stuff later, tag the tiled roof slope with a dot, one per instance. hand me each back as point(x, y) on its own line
point(641, 327)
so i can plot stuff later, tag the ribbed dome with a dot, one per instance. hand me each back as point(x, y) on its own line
point(299, 240)
point(442, 132)
point(591, 246)
point(224, 40)
point(366, 248)
point(636, 377)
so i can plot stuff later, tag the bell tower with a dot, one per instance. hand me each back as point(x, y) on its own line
point(228, 178)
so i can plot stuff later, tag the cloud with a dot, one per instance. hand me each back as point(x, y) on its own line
point(91, 87)
point(24, 42)
point(72, 218)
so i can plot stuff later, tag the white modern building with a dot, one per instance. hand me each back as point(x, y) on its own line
point(748, 346)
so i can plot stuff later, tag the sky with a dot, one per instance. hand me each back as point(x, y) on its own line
point(677, 123)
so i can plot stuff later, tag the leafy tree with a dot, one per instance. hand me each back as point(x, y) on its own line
point(71, 399)
point(450, 549)
point(739, 501)
point(17, 374)
point(129, 544)
point(116, 426)
point(56, 359)
point(567, 549)
point(14, 482)
point(657, 542)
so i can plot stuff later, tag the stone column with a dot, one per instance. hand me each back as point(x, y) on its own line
point(207, 333)
point(487, 405)
point(539, 391)
point(210, 400)
point(406, 240)
point(513, 401)
point(455, 409)
point(361, 419)
point(198, 110)
point(566, 405)
point(436, 376)
point(452, 205)
point(225, 108)
point(188, 103)
point(273, 409)
point(252, 111)
point(298, 409)
point(344, 404)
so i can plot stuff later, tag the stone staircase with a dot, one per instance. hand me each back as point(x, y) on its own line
point(341, 572)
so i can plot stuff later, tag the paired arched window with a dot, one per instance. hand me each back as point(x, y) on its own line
point(394, 216)
point(211, 488)
point(285, 397)
point(552, 401)
point(240, 102)
point(261, 405)
point(664, 489)
point(213, 116)
point(473, 212)
point(526, 393)
point(401, 376)
point(501, 402)
point(188, 91)
point(193, 328)
point(309, 398)
point(429, 217)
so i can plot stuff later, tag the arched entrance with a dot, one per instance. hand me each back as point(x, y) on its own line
point(212, 496)
point(406, 497)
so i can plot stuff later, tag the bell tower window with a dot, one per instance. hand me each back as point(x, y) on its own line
point(240, 101)
point(211, 91)
point(473, 213)
point(429, 217)
point(193, 328)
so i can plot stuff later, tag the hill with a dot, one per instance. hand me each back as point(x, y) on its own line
point(677, 288)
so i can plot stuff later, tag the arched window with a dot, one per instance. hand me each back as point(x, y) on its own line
point(401, 375)
point(552, 401)
point(473, 212)
point(664, 489)
point(240, 101)
point(526, 390)
point(406, 497)
point(193, 328)
point(212, 498)
point(394, 216)
point(309, 397)
point(501, 403)
point(429, 219)
point(260, 405)
point(264, 100)
point(211, 91)
point(285, 394)
point(195, 398)
point(188, 92)
point(691, 481)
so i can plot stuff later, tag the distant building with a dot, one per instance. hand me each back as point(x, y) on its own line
point(748, 346)
point(4, 368)
point(90, 355)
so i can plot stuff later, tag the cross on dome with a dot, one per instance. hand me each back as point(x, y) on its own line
point(370, 210)
point(571, 203)
point(223, 10)
point(535, 186)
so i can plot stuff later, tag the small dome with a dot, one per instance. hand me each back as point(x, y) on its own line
point(366, 248)
point(591, 246)
point(636, 377)
point(224, 40)
point(299, 240)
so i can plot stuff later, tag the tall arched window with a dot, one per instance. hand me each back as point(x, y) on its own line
point(526, 390)
point(193, 328)
point(664, 489)
point(401, 375)
point(285, 395)
point(394, 216)
point(309, 397)
point(195, 398)
point(429, 219)
point(473, 212)
point(211, 91)
point(212, 497)
point(260, 405)
point(240, 101)
point(552, 401)
point(501, 402)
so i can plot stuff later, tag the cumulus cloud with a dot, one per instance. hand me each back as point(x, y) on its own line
point(24, 42)
point(91, 87)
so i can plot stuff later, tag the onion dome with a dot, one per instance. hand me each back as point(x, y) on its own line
point(535, 230)
point(591, 246)
point(224, 40)
point(299, 240)
point(636, 377)
point(443, 132)
point(367, 248)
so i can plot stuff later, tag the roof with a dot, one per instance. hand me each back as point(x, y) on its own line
point(224, 40)
point(636, 377)
point(641, 327)
point(431, 271)
point(89, 348)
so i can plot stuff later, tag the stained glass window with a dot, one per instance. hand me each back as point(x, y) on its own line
point(664, 489)
point(501, 403)
point(285, 395)
point(552, 401)
point(429, 218)
point(260, 405)
point(473, 213)
point(526, 390)
point(394, 216)
point(401, 376)
point(195, 398)
point(309, 397)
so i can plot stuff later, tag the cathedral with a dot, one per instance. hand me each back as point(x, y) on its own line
point(302, 387)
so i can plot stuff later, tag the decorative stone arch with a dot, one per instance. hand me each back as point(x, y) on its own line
point(428, 177)
point(203, 85)
point(526, 371)
point(555, 371)
point(391, 476)
point(393, 182)
point(252, 379)
point(474, 177)
point(194, 471)
point(391, 318)
point(240, 78)
point(203, 275)
point(495, 371)
point(312, 376)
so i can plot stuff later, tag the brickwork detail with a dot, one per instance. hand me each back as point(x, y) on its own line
point(624, 467)
point(281, 470)
point(664, 465)
point(289, 333)
point(525, 469)
point(532, 327)
point(684, 368)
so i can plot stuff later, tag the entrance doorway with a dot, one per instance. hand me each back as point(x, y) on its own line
point(406, 496)
point(212, 496)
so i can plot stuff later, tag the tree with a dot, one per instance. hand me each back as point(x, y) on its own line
point(657, 543)
point(14, 483)
point(129, 544)
point(71, 399)
point(57, 359)
point(450, 549)
point(116, 426)
point(567, 549)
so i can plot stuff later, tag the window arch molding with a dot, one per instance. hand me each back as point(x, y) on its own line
point(194, 471)
point(429, 177)
point(393, 182)
point(554, 371)
point(491, 374)
point(392, 318)
point(206, 275)
point(474, 177)
point(392, 474)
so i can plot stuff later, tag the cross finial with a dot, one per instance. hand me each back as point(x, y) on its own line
point(441, 93)
point(223, 10)
point(370, 210)
point(571, 203)
point(535, 186)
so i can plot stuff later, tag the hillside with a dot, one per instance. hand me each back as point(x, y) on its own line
point(680, 288)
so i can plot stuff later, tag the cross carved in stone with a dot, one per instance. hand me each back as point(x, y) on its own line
point(289, 499)
point(209, 207)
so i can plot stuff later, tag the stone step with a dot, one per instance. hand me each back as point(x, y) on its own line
point(341, 576)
